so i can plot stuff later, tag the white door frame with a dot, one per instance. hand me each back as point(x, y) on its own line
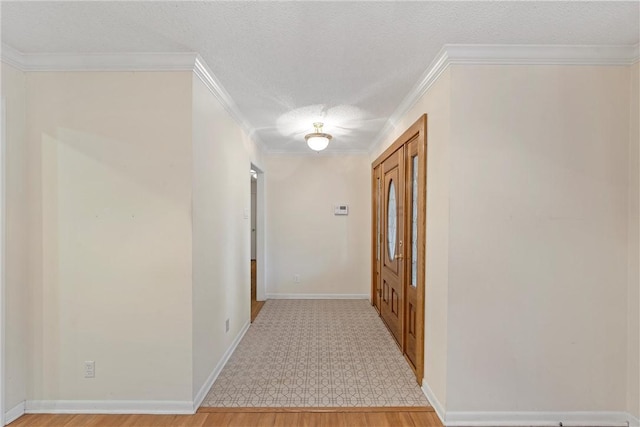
point(3, 133)
point(261, 293)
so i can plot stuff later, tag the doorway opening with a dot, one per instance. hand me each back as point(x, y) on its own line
point(257, 239)
point(398, 230)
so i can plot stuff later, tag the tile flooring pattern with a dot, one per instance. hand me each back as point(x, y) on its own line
point(308, 353)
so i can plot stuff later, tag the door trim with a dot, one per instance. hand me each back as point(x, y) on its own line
point(375, 262)
point(3, 143)
point(417, 131)
point(261, 282)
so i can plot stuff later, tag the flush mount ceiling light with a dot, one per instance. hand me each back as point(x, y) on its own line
point(317, 140)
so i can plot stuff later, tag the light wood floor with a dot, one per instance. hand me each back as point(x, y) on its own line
point(256, 306)
point(249, 417)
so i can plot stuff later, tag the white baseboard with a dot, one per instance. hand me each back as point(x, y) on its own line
point(202, 393)
point(14, 413)
point(127, 406)
point(634, 421)
point(109, 407)
point(496, 419)
point(317, 296)
point(433, 400)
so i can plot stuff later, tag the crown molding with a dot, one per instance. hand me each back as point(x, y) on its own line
point(428, 78)
point(541, 54)
point(458, 54)
point(478, 54)
point(12, 57)
point(144, 61)
point(204, 73)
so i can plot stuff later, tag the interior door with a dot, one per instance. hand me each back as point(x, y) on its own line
point(392, 268)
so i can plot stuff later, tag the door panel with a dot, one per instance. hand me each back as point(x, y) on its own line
point(414, 299)
point(392, 198)
point(385, 292)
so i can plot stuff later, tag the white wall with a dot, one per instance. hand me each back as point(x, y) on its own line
point(436, 103)
point(110, 250)
point(138, 198)
point(15, 164)
point(538, 238)
point(532, 229)
point(527, 234)
point(633, 358)
point(331, 254)
point(222, 156)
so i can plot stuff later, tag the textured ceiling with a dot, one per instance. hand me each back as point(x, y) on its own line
point(287, 64)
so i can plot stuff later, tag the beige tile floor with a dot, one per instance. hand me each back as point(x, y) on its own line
point(313, 353)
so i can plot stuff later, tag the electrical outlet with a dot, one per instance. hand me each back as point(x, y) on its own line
point(296, 278)
point(89, 369)
point(226, 326)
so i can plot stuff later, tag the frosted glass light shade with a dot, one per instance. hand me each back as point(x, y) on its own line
point(318, 143)
point(317, 140)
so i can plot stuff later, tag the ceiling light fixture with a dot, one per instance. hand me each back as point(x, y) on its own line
point(317, 140)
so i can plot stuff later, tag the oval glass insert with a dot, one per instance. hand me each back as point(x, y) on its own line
point(391, 220)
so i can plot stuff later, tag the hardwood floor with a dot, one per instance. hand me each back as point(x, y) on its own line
point(248, 417)
point(256, 306)
point(253, 280)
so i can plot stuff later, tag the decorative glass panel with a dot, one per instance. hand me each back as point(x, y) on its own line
point(414, 222)
point(392, 220)
point(378, 221)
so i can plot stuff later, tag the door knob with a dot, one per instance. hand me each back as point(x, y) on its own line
point(399, 256)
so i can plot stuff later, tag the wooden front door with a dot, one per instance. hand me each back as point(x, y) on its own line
point(399, 209)
point(392, 277)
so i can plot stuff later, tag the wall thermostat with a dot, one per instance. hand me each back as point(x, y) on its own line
point(341, 210)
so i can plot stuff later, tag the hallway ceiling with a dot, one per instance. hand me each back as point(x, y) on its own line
point(288, 64)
